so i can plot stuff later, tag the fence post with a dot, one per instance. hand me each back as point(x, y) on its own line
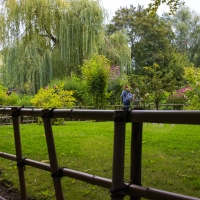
point(136, 155)
point(18, 148)
point(56, 171)
point(117, 187)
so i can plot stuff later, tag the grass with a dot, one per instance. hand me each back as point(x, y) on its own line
point(170, 160)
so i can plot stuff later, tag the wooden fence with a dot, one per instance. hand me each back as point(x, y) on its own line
point(118, 188)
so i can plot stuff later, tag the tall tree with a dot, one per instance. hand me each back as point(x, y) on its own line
point(36, 34)
point(186, 26)
point(127, 19)
point(118, 51)
point(43, 39)
point(149, 36)
point(154, 45)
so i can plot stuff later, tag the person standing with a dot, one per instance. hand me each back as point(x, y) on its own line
point(124, 93)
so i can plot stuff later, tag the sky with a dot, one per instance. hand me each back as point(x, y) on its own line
point(112, 5)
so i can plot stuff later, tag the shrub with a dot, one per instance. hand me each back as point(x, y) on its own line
point(177, 98)
point(24, 100)
point(95, 72)
point(3, 96)
point(80, 92)
point(7, 98)
point(11, 99)
point(54, 97)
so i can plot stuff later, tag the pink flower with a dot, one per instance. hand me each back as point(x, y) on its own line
point(182, 90)
point(114, 72)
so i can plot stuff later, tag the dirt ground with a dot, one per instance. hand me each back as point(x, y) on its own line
point(7, 193)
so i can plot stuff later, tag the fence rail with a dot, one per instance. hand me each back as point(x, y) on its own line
point(117, 186)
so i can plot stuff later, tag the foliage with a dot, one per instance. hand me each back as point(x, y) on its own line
point(47, 40)
point(81, 33)
point(118, 51)
point(127, 19)
point(7, 99)
point(95, 72)
point(24, 100)
point(192, 76)
point(3, 95)
point(186, 26)
point(173, 5)
point(53, 97)
point(29, 69)
point(46, 30)
point(11, 99)
point(140, 89)
point(80, 91)
point(151, 40)
point(158, 82)
point(154, 46)
point(177, 98)
point(115, 84)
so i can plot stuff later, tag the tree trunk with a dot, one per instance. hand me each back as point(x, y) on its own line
point(157, 101)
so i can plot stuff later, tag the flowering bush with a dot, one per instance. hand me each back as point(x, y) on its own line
point(177, 98)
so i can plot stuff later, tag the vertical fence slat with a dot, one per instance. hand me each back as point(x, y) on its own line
point(118, 156)
point(18, 148)
point(52, 154)
point(136, 156)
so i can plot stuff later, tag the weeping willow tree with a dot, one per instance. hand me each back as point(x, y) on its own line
point(47, 39)
point(82, 31)
point(27, 38)
point(117, 51)
point(32, 68)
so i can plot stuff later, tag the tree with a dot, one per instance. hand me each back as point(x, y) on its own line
point(154, 83)
point(95, 73)
point(43, 40)
point(127, 19)
point(186, 26)
point(173, 5)
point(117, 51)
point(192, 75)
point(154, 45)
point(158, 82)
point(150, 38)
point(48, 32)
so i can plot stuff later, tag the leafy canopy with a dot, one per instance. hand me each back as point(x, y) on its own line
point(173, 5)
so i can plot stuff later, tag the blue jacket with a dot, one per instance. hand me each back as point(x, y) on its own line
point(123, 95)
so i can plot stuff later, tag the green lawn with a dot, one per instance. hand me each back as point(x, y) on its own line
point(171, 157)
